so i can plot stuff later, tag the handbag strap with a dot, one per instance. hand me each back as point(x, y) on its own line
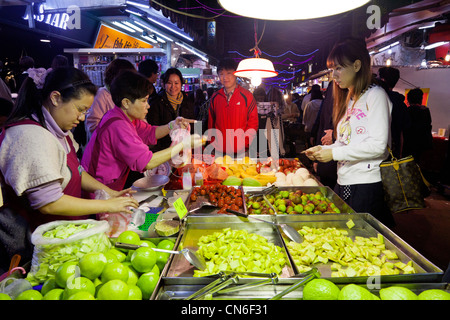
point(393, 158)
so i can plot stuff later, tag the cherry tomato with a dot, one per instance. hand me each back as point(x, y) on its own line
point(234, 207)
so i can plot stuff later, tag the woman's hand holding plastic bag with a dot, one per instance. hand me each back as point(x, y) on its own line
point(122, 204)
point(120, 201)
point(120, 214)
point(181, 123)
point(181, 134)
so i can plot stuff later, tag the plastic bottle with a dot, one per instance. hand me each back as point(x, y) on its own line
point(198, 178)
point(187, 180)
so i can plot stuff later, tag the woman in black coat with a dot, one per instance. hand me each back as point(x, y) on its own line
point(170, 104)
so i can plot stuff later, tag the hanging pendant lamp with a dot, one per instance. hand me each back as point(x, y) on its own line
point(256, 68)
point(289, 9)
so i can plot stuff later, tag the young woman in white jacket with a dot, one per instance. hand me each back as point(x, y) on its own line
point(362, 118)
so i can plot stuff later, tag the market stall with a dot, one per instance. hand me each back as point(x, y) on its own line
point(237, 257)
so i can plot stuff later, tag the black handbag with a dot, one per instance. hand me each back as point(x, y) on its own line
point(403, 184)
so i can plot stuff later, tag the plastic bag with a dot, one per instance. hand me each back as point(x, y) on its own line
point(184, 157)
point(13, 286)
point(118, 221)
point(215, 172)
point(50, 252)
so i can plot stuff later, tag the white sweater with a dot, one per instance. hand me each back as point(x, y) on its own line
point(31, 156)
point(362, 140)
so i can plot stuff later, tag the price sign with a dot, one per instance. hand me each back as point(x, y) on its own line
point(180, 208)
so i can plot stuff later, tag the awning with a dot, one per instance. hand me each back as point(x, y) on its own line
point(406, 19)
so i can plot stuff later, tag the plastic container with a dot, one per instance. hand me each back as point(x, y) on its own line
point(198, 178)
point(187, 181)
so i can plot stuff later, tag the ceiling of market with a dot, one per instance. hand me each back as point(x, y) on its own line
point(298, 44)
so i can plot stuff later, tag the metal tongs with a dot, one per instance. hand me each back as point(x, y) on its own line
point(227, 278)
point(222, 281)
point(264, 192)
point(272, 278)
point(311, 274)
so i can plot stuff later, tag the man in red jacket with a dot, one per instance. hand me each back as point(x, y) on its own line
point(233, 113)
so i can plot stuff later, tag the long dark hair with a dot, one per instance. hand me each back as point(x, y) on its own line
point(346, 53)
point(69, 81)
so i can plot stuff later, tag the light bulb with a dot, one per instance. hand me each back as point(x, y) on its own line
point(388, 62)
point(447, 57)
point(256, 81)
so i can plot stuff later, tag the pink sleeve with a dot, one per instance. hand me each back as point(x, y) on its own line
point(102, 104)
point(129, 147)
point(146, 131)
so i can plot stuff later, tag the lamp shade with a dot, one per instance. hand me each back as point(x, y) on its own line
point(289, 9)
point(255, 68)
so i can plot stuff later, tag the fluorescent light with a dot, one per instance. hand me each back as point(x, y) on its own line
point(45, 40)
point(160, 40)
point(426, 27)
point(123, 26)
point(170, 29)
point(149, 39)
point(435, 45)
point(133, 26)
point(193, 51)
point(133, 12)
point(138, 4)
point(289, 9)
point(389, 46)
point(150, 29)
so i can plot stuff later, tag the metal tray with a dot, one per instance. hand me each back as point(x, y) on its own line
point(180, 292)
point(366, 226)
point(181, 271)
point(191, 205)
point(329, 194)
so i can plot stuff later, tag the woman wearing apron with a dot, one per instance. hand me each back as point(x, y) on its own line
point(121, 141)
point(41, 177)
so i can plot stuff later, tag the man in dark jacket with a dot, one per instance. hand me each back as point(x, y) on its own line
point(418, 138)
point(150, 70)
point(400, 120)
point(322, 134)
point(25, 63)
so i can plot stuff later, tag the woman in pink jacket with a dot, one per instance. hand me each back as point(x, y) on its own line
point(122, 138)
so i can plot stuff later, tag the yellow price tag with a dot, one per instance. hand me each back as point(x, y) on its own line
point(180, 208)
